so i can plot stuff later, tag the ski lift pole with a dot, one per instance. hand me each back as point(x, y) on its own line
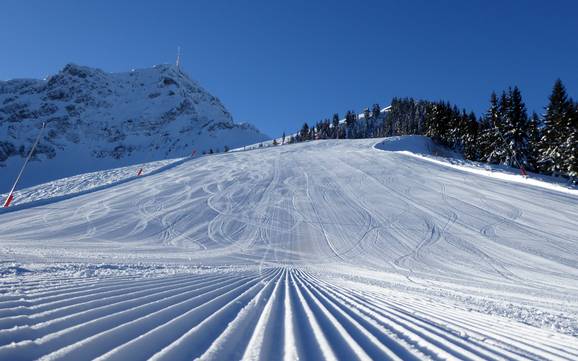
point(11, 194)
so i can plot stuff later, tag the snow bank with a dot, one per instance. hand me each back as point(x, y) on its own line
point(424, 148)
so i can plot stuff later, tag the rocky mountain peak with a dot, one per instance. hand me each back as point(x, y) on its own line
point(97, 119)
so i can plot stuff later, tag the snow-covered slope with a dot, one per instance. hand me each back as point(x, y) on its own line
point(317, 250)
point(424, 148)
point(97, 120)
point(87, 182)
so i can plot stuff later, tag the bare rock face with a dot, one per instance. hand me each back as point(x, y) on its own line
point(97, 120)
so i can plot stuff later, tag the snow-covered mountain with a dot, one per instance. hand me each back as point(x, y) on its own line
point(97, 120)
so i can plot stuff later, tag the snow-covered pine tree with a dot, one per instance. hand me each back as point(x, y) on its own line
point(317, 130)
point(325, 129)
point(375, 111)
point(438, 120)
point(431, 120)
point(312, 134)
point(504, 126)
point(304, 134)
point(515, 128)
point(350, 120)
point(555, 130)
point(570, 146)
point(494, 142)
point(335, 124)
point(534, 142)
point(453, 132)
point(470, 137)
point(484, 138)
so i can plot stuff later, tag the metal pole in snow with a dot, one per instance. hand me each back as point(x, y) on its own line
point(11, 194)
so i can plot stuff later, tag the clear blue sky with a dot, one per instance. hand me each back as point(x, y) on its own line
point(280, 63)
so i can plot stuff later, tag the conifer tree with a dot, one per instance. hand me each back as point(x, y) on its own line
point(484, 139)
point(350, 120)
point(493, 136)
point(534, 142)
point(570, 146)
point(460, 131)
point(515, 129)
point(433, 121)
point(470, 138)
point(375, 111)
point(305, 132)
point(335, 123)
point(554, 133)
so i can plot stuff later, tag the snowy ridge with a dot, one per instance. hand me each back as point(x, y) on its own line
point(276, 313)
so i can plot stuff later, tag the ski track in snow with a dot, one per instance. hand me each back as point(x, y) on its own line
point(320, 250)
point(275, 313)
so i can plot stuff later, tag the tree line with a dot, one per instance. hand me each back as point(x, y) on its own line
point(505, 134)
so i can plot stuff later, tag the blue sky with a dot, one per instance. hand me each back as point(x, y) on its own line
point(280, 63)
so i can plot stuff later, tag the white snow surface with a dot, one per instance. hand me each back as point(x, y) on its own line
point(317, 250)
point(85, 182)
point(424, 148)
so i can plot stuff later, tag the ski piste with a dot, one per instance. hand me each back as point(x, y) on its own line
point(333, 249)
